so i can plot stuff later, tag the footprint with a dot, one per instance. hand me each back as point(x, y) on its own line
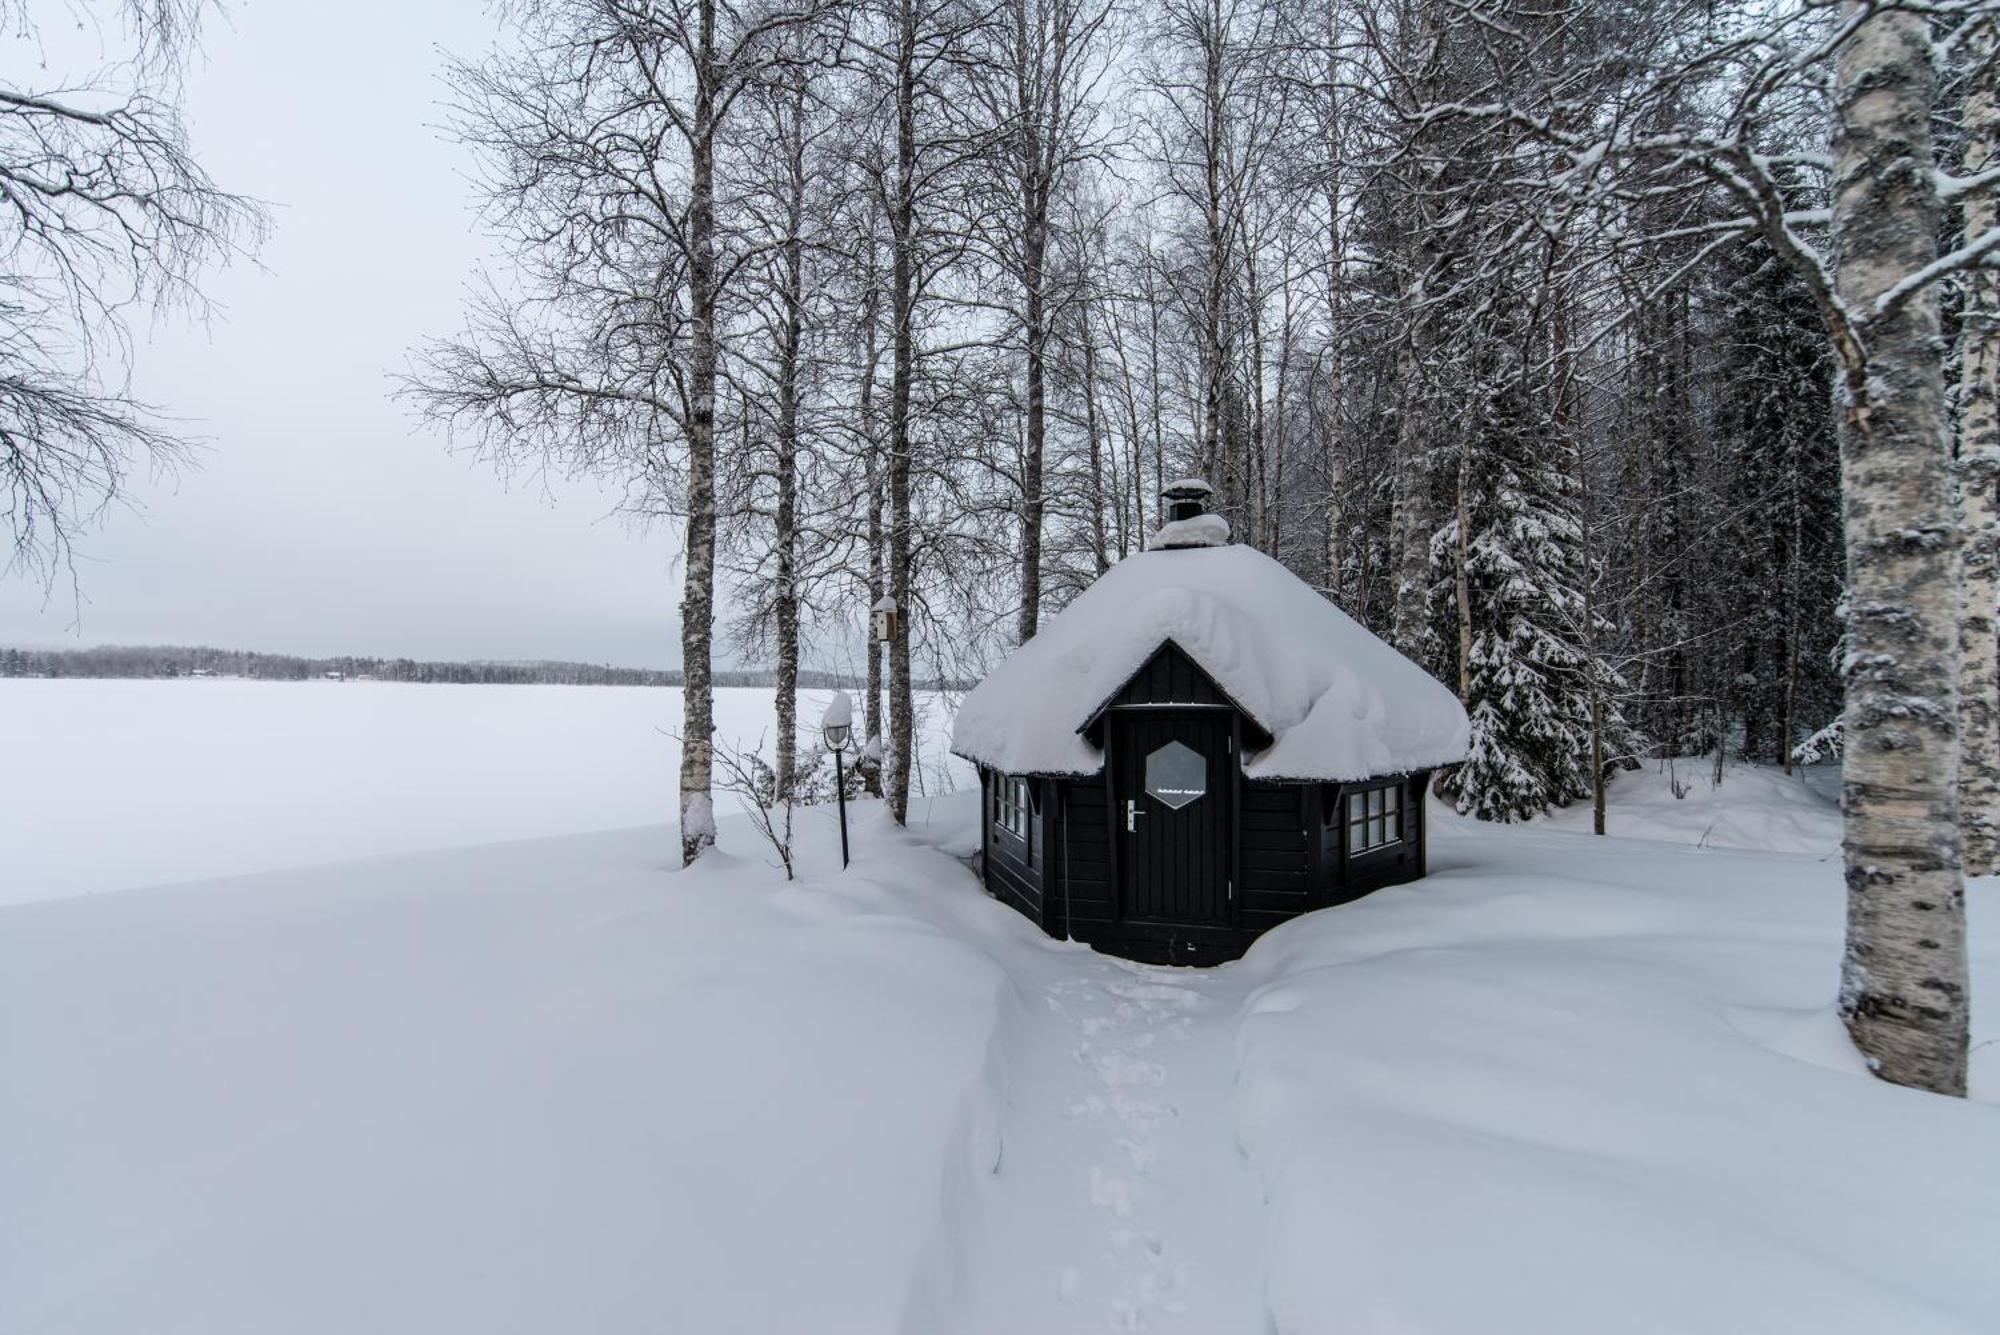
point(1120, 1069)
point(1155, 992)
point(1112, 1192)
point(1141, 1154)
point(1090, 1105)
point(1124, 1241)
point(1145, 1294)
point(1143, 1116)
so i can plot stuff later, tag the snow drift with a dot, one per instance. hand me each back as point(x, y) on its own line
point(1564, 1085)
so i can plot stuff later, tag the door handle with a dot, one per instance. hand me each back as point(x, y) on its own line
point(1132, 814)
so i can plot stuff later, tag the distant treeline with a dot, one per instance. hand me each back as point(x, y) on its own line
point(132, 661)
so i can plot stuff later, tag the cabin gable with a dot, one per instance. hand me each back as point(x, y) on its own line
point(1171, 677)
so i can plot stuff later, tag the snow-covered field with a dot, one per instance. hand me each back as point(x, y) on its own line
point(1562, 1085)
point(110, 784)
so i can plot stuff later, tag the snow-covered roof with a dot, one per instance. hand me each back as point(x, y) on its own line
point(1338, 702)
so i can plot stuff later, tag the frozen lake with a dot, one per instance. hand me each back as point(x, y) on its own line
point(105, 785)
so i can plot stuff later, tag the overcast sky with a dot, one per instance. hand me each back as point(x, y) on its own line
point(322, 520)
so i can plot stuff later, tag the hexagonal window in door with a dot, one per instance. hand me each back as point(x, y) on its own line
point(1176, 774)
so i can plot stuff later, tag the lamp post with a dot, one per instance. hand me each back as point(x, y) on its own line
point(837, 726)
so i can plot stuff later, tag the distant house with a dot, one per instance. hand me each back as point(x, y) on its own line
point(201, 672)
point(1197, 749)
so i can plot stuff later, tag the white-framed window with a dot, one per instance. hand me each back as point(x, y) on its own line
point(1374, 818)
point(1010, 804)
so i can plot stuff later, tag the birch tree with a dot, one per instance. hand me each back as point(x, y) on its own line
point(1903, 980)
point(600, 133)
point(107, 210)
point(1979, 479)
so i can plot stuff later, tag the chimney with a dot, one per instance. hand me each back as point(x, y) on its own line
point(1188, 522)
point(1186, 497)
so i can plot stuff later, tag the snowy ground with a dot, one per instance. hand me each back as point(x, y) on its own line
point(1755, 807)
point(1563, 1085)
point(130, 783)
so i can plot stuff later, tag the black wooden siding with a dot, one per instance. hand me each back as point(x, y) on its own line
point(1170, 677)
point(1274, 856)
point(1014, 866)
point(1085, 893)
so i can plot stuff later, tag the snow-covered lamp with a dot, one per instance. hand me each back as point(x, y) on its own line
point(836, 724)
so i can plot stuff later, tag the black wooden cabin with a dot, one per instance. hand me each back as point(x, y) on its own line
point(1170, 852)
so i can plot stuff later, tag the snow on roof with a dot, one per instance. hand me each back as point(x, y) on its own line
point(1338, 702)
point(1200, 531)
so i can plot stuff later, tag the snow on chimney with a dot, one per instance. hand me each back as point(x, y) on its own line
point(1188, 522)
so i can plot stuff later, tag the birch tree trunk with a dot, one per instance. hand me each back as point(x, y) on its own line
point(871, 306)
point(1979, 495)
point(790, 337)
point(698, 594)
point(1034, 245)
point(1903, 979)
point(1100, 545)
point(902, 317)
point(1412, 517)
point(1336, 292)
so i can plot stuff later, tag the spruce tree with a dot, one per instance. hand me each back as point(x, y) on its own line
point(1781, 481)
point(1525, 676)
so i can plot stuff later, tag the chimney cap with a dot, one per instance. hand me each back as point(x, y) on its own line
point(1187, 489)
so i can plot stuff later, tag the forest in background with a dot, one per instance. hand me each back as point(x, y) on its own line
point(927, 300)
point(142, 661)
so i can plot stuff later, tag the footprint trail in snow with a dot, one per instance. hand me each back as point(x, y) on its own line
point(1122, 1203)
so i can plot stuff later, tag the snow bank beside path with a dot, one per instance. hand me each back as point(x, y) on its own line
point(539, 1087)
point(1577, 1085)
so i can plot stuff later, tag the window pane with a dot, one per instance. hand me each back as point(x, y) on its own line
point(1357, 806)
point(1389, 799)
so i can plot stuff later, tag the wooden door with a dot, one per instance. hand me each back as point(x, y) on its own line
point(1172, 791)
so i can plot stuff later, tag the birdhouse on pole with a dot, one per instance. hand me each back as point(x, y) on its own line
point(882, 621)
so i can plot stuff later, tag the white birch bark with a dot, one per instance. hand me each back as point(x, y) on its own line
point(1903, 992)
point(698, 593)
point(1979, 505)
point(791, 335)
point(903, 302)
